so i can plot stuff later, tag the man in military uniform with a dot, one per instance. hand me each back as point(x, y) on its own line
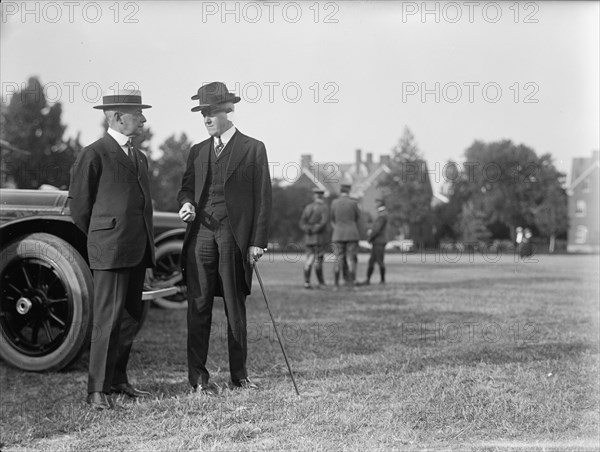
point(314, 224)
point(345, 216)
point(377, 237)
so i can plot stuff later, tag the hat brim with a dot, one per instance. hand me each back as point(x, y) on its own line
point(107, 106)
point(233, 100)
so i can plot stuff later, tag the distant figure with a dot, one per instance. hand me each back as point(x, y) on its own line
point(518, 239)
point(526, 248)
point(314, 224)
point(377, 237)
point(345, 216)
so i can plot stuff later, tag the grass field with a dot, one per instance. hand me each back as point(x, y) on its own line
point(454, 353)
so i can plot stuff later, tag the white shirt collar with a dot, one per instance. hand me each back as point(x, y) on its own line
point(118, 136)
point(225, 136)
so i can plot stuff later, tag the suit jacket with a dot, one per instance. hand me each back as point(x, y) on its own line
point(345, 216)
point(110, 202)
point(313, 222)
point(247, 193)
point(378, 234)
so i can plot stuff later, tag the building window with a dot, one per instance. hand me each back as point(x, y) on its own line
point(580, 208)
point(585, 186)
point(581, 234)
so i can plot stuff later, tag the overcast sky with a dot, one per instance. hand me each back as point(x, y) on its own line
point(325, 78)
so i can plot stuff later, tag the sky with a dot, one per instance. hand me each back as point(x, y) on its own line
point(324, 78)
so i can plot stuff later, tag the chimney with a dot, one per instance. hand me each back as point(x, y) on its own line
point(384, 159)
point(369, 160)
point(358, 160)
point(306, 161)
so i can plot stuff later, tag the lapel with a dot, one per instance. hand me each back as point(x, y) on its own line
point(120, 156)
point(201, 162)
point(201, 166)
point(238, 153)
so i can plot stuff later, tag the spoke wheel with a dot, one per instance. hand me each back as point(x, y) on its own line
point(168, 267)
point(45, 303)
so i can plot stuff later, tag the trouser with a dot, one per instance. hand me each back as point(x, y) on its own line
point(314, 257)
point(119, 313)
point(377, 255)
point(346, 256)
point(213, 262)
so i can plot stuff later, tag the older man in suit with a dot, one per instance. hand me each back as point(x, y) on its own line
point(345, 216)
point(110, 202)
point(225, 198)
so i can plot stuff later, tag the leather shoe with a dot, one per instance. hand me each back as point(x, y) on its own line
point(127, 389)
point(208, 389)
point(98, 401)
point(244, 383)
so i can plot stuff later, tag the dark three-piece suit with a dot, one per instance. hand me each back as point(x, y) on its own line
point(231, 194)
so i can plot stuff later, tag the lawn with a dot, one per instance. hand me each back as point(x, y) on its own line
point(455, 352)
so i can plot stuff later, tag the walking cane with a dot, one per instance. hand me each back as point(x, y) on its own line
point(262, 288)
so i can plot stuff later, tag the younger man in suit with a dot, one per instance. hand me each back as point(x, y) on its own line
point(225, 198)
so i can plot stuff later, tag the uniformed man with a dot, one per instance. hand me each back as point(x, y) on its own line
point(377, 237)
point(345, 216)
point(314, 224)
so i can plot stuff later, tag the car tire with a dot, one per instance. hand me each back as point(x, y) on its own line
point(168, 266)
point(46, 300)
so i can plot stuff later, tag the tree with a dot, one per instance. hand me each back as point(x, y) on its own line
point(167, 171)
point(288, 203)
point(511, 186)
point(409, 189)
point(551, 215)
point(471, 223)
point(31, 124)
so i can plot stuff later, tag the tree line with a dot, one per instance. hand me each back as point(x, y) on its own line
point(496, 188)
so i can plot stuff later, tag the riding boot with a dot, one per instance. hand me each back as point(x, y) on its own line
point(307, 278)
point(382, 273)
point(370, 269)
point(319, 273)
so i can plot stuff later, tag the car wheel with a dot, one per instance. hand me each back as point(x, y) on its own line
point(168, 268)
point(45, 303)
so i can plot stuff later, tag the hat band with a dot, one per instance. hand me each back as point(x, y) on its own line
point(116, 99)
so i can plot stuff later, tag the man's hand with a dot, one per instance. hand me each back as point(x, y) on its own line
point(187, 212)
point(254, 253)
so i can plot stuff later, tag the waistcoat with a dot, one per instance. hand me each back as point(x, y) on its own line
point(212, 202)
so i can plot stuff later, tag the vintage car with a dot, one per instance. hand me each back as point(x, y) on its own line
point(46, 286)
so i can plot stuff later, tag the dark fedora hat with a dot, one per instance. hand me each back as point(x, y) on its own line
point(122, 98)
point(213, 94)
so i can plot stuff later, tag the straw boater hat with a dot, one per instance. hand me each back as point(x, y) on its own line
point(213, 94)
point(122, 98)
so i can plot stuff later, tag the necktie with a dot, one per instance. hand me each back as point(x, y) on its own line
point(131, 153)
point(219, 146)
